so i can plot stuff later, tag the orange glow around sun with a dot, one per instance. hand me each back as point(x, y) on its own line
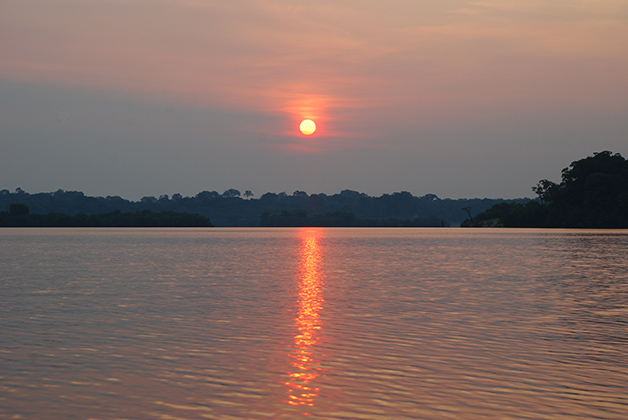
point(307, 127)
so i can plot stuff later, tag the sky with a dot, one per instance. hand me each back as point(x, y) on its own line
point(457, 98)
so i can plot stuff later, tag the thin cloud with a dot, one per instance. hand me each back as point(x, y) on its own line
point(397, 63)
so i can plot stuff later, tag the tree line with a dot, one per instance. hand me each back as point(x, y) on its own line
point(301, 218)
point(19, 216)
point(593, 193)
point(232, 208)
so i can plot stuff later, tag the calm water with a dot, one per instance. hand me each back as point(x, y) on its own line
point(313, 323)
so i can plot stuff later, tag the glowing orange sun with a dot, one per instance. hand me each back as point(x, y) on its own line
point(307, 127)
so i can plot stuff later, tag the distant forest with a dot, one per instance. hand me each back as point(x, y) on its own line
point(234, 209)
point(593, 193)
point(19, 216)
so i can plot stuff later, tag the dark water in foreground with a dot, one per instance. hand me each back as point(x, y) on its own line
point(328, 323)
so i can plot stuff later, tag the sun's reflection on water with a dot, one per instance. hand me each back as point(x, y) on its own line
point(302, 390)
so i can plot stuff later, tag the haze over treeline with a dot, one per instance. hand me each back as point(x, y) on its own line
point(233, 208)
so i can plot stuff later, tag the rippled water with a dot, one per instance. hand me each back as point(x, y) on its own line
point(313, 323)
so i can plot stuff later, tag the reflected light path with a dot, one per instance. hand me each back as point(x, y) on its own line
point(306, 368)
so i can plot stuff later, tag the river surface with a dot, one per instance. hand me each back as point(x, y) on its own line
point(313, 323)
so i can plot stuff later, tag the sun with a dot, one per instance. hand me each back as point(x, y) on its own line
point(307, 127)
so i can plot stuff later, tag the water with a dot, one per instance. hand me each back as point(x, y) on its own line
point(313, 323)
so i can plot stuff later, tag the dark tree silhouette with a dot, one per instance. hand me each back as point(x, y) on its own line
point(230, 193)
point(593, 193)
point(18, 209)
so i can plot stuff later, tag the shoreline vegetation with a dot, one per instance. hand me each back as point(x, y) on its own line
point(593, 193)
point(233, 209)
point(19, 216)
point(300, 218)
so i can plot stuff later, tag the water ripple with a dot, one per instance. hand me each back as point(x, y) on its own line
point(319, 324)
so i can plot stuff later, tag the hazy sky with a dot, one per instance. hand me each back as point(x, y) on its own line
point(452, 97)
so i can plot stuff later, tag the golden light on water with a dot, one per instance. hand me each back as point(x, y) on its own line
point(302, 390)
